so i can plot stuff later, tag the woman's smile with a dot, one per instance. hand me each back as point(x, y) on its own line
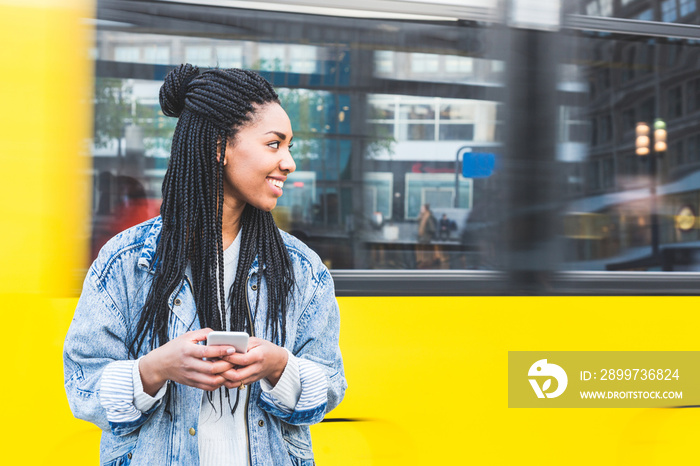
point(276, 184)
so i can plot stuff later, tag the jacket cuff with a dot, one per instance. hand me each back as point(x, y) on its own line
point(117, 392)
point(285, 394)
point(312, 403)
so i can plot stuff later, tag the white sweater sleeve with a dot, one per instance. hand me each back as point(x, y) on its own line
point(300, 384)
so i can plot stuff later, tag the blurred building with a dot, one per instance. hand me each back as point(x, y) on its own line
point(385, 105)
point(629, 80)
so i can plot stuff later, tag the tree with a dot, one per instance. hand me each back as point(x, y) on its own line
point(115, 108)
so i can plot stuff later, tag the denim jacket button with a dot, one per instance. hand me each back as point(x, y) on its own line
point(178, 301)
point(261, 423)
point(192, 431)
point(128, 455)
point(254, 287)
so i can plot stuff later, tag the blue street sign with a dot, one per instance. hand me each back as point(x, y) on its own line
point(478, 164)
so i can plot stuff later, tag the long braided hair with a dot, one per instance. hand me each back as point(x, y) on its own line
point(211, 107)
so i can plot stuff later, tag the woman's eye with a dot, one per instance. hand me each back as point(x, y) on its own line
point(274, 145)
point(291, 144)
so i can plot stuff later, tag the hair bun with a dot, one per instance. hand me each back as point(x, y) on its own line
point(174, 89)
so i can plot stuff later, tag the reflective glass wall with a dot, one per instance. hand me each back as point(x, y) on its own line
point(383, 111)
point(631, 211)
point(435, 143)
point(667, 11)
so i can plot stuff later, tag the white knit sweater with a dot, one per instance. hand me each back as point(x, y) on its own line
point(222, 436)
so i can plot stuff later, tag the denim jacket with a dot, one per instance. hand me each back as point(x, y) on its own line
point(105, 319)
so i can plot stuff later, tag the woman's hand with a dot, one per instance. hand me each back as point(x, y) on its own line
point(264, 360)
point(182, 360)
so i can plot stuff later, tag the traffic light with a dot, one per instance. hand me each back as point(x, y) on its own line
point(659, 135)
point(642, 141)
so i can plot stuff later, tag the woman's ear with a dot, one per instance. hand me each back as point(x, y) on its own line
point(218, 152)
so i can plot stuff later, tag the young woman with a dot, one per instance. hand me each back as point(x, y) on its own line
point(135, 361)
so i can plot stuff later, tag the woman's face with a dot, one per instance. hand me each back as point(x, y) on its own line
point(258, 160)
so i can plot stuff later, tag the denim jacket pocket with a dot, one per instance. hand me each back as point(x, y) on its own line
point(122, 455)
point(298, 443)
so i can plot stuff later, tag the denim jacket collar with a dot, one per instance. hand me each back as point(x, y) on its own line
point(148, 252)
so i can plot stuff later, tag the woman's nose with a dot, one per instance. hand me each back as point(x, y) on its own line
point(287, 164)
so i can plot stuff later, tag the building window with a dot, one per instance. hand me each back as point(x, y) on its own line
point(436, 189)
point(645, 63)
point(676, 154)
point(425, 63)
point(456, 120)
point(646, 111)
point(407, 118)
point(302, 59)
point(271, 57)
point(646, 15)
point(687, 7)
point(157, 54)
point(600, 8)
point(229, 57)
point(672, 56)
point(693, 149)
point(497, 66)
point(592, 8)
point(418, 131)
point(693, 95)
point(577, 131)
point(199, 55)
point(669, 12)
point(674, 104)
point(606, 7)
point(417, 121)
point(594, 175)
point(572, 127)
point(378, 193)
point(608, 173)
point(459, 65)
point(629, 63)
point(604, 78)
point(605, 128)
point(127, 53)
point(594, 132)
point(628, 120)
point(383, 61)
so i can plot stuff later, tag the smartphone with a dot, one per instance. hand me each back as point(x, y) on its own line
point(238, 340)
